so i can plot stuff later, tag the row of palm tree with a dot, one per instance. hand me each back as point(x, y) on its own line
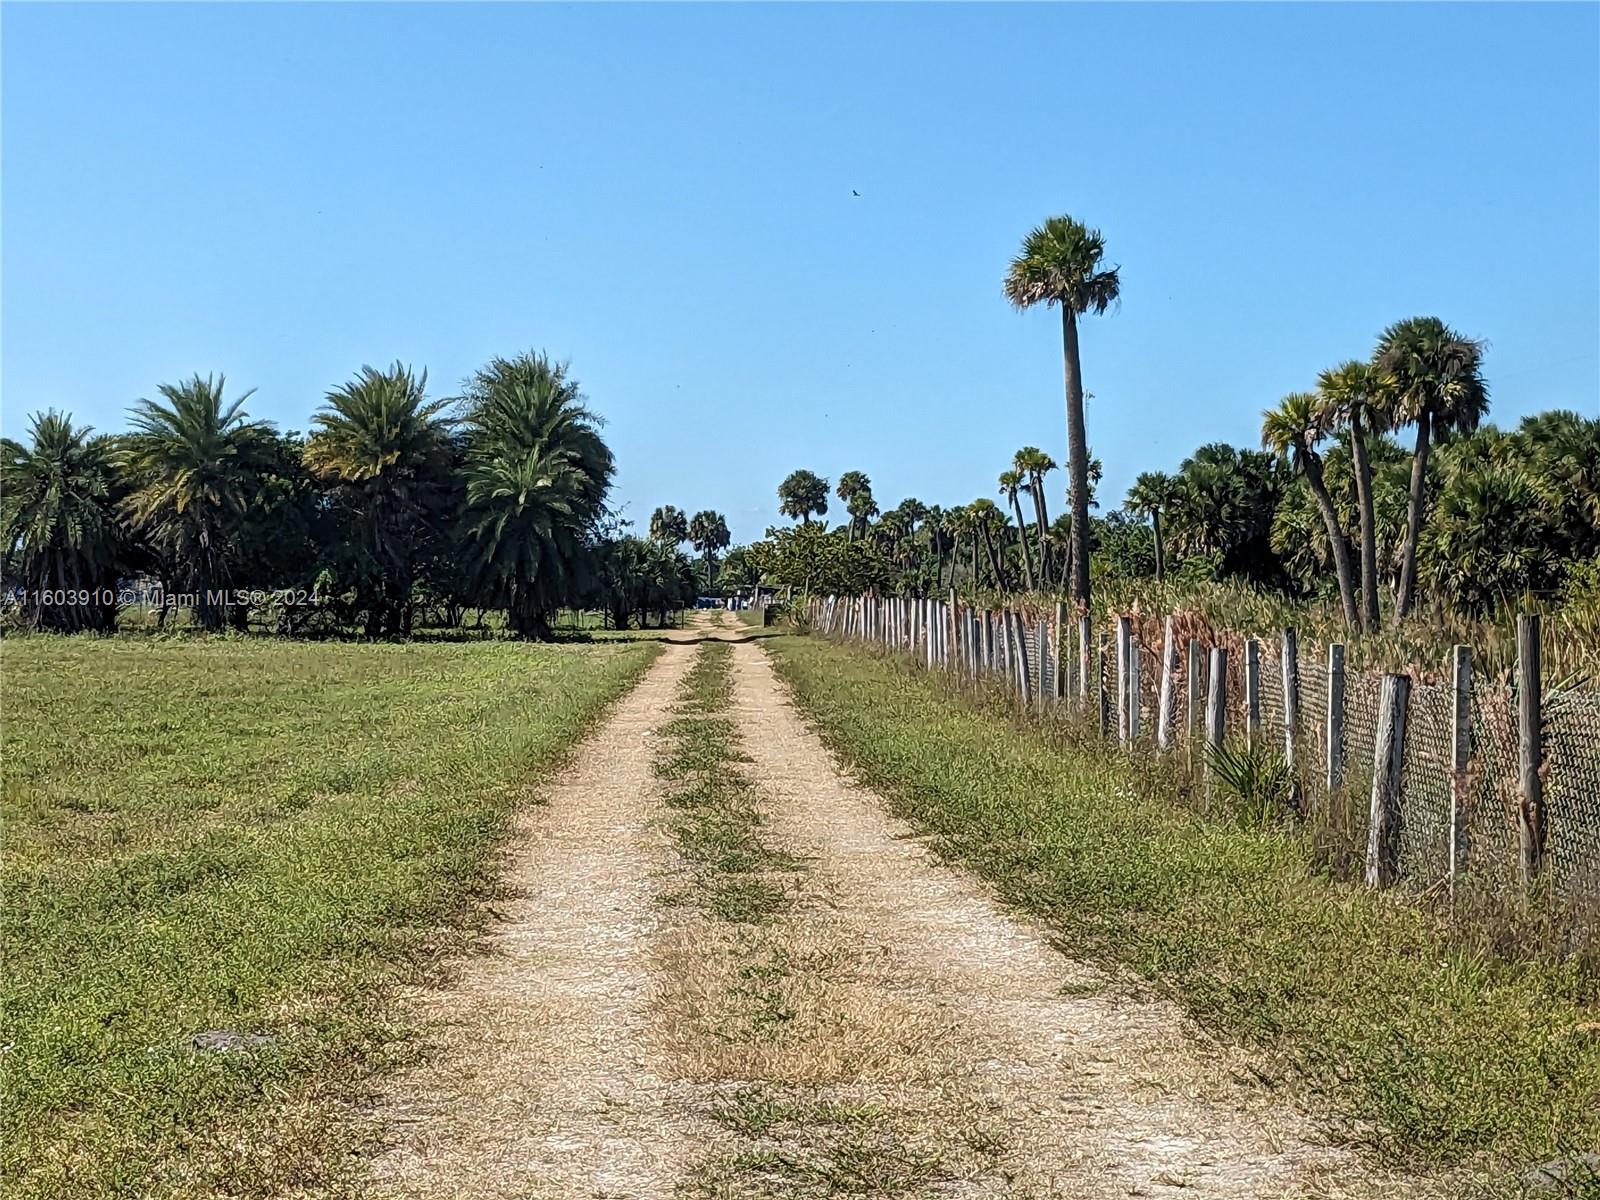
point(492, 499)
point(706, 531)
point(1506, 513)
point(1242, 512)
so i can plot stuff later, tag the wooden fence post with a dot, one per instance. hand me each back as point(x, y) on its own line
point(1020, 664)
point(1291, 713)
point(1103, 697)
point(1216, 703)
point(1460, 754)
point(1169, 664)
point(1388, 766)
point(1334, 738)
point(1252, 694)
point(1058, 679)
point(1191, 705)
point(1133, 690)
point(1043, 649)
point(1530, 747)
point(1124, 636)
point(1085, 636)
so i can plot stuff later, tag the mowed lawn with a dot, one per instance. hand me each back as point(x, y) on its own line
point(251, 836)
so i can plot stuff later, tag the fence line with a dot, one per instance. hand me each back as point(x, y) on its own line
point(1500, 779)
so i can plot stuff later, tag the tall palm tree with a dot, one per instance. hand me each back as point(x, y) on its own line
point(989, 523)
point(1011, 482)
point(1152, 493)
point(709, 533)
point(1431, 377)
point(1291, 431)
point(58, 506)
point(537, 477)
point(801, 494)
point(192, 462)
point(852, 484)
point(1060, 265)
point(669, 525)
point(383, 448)
point(1346, 398)
point(862, 508)
point(1035, 464)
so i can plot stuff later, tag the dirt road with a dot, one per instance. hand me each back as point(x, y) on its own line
point(987, 1062)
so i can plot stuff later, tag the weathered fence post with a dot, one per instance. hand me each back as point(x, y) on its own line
point(1334, 738)
point(1124, 635)
point(1024, 675)
point(1460, 753)
point(1169, 664)
point(1191, 704)
point(1530, 747)
point(1133, 690)
point(1216, 704)
point(1043, 639)
point(1252, 694)
point(1085, 636)
point(1291, 713)
point(1103, 696)
point(1388, 767)
point(1058, 679)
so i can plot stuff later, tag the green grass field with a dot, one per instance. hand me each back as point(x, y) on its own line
point(260, 837)
point(1435, 1051)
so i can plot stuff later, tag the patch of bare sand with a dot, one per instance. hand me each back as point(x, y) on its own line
point(541, 1080)
point(1086, 1092)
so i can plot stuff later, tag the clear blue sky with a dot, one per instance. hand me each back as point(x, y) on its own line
point(662, 195)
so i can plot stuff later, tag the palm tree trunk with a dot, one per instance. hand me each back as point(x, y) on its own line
point(994, 559)
point(1419, 481)
point(1043, 526)
point(1077, 455)
point(1336, 541)
point(1022, 536)
point(1161, 555)
point(976, 580)
point(1369, 534)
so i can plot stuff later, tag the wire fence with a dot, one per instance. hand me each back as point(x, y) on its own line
point(1481, 781)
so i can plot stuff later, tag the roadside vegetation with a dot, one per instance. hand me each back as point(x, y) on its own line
point(399, 509)
point(221, 857)
point(1436, 1050)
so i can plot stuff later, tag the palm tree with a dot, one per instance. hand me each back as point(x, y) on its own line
point(988, 522)
point(1291, 431)
point(862, 508)
point(801, 494)
point(1431, 377)
point(1060, 264)
point(1152, 493)
point(852, 484)
point(1011, 483)
point(1346, 399)
point(59, 509)
point(383, 448)
point(669, 525)
point(1035, 464)
point(709, 533)
point(537, 477)
point(192, 464)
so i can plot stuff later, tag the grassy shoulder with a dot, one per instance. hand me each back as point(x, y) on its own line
point(1434, 1053)
point(257, 839)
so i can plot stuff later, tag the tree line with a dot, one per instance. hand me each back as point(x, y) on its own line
point(393, 504)
point(1332, 503)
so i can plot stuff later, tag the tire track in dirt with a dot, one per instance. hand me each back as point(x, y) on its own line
point(542, 1081)
point(1097, 1094)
